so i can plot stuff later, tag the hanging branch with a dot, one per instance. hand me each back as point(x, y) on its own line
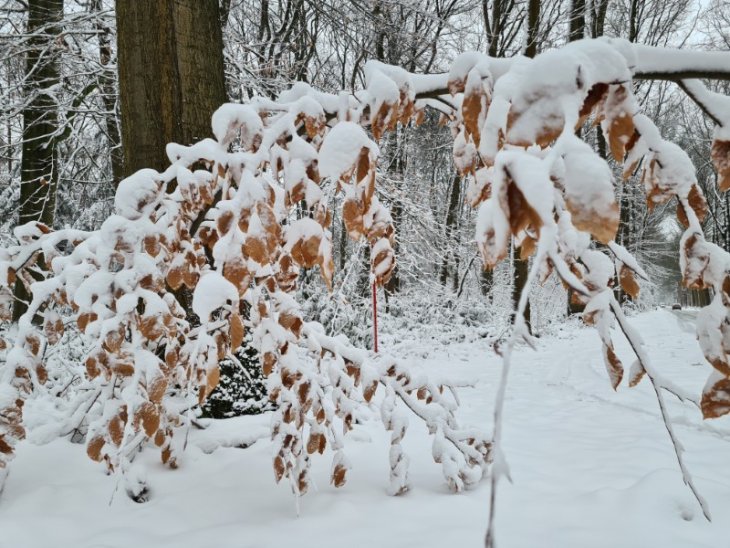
point(637, 346)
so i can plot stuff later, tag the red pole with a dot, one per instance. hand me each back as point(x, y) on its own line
point(375, 316)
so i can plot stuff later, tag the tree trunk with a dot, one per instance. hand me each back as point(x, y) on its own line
point(39, 177)
point(109, 96)
point(38, 170)
point(577, 20)
point(521, 267)
point(533, 25)
point(598, 17)
point(577, 31)
point(450, 228)
point(171, 76)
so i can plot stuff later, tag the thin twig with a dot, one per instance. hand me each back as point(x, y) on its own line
point(638, 349)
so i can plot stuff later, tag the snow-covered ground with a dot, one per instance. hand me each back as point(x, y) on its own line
point(590, 467)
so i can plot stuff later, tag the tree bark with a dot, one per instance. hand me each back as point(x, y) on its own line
point(533, 26)
point(171, 76)
point(450, 228)
point(577, 20)
point(109, 95)
point(39, 177)
point(521, 267)
point(38, 170)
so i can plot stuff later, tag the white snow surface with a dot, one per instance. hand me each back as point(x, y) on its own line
point(212, 292)
point(590, 467)
point(341, 149)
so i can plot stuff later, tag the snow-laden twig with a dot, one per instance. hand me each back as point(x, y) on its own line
point(519, 331)
point(637, 345)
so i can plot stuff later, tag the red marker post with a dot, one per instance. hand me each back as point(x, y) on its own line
point(375, 317)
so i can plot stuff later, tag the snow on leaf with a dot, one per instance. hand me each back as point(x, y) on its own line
point(212, 292)
point(716, 396)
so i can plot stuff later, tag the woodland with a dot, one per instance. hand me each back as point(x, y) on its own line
point(371, 252)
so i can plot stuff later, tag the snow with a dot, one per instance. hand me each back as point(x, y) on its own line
point(341, 149)
point(590, 466)
point(137, 193)
point(230, 118)
point(651, 59)
point(8, 395)
point(212, 292)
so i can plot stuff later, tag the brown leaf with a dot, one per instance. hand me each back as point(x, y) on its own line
point(636, 374)
point(279, 468)
point(305, 251)
point(471, 108)
point(613, 366)
point(212, 379)
point(527, 248)
point(147, 418)
point(339, 475)
point(620, 122)
point(721, 160)
point(224, 222)
point(85, 319)
point(175, 277)
point(716, 397)
point(697, 202)
point(602, 225)
point(94, 447)
point(53, 327)
point(156, 389)
point(520, 212)
point(596, 94)
point(269, 362)
point(628, 282)
point(152, 245)
point(619, 133)
point(116, 426)
point(369, 391)
point(92, 367)
point(236, 331)
point(317, 443)
point(352, 214)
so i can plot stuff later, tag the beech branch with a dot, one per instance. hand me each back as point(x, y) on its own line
point(638, 348)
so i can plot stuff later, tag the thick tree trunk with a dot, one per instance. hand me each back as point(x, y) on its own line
point(171, 75)
point(39, 173)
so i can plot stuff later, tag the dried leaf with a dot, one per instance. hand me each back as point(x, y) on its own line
point(628, 282)
point(53, 327)
point(716, 396)
point(636, 373)
point(721, 160)
point(339, 475)
point(697, 202)
point(94, 447)
point(236, 331)
point(601, 225)
point(613, 366)
point(279, 468)
point(85, 319)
